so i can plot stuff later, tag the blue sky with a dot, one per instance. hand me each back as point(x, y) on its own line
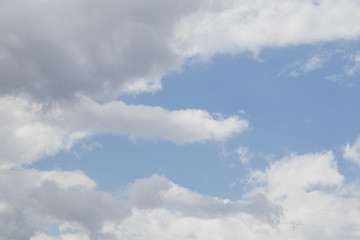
point(200, 121)
point(302, 114)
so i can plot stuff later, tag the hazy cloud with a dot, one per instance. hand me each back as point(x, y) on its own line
point(303, 66)
point(352, 152)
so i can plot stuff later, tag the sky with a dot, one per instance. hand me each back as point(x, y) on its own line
point(161, 119)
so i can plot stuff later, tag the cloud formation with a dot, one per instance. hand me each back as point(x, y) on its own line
point(233, 26)
point(65, 51)
point(56, 50)
point(57, 56)
point(304, 66)
point(299, 197)
point(31, 130)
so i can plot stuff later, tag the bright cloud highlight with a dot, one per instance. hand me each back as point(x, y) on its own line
point(292, 198)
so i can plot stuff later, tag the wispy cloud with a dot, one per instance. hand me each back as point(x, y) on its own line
point(300, 67)
point(352, 152)
point(349, 70)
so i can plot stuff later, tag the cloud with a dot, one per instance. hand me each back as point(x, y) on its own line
point(51, 196)
point(352, 152)
point(68, 236)
point(48, 200)
point(244, 154)
point(304, 172)
point(298, 197)
point(304, 196)
point(355, 69)
point(31, 131)
point(148, 122)
point(233, 26)
point(56, 50)
point(13, 223)
point(56, 57)
point(58, 53)
point(349, 70)
point(303, 66)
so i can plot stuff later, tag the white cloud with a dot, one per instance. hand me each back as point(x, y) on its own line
point(314, 63)
point(352, 152)
point(42, 201)
point(355, 69)
point(297, 197)
point(68, 236)
point(232, 26)
point(348, 70)
point(335, 78)
point(244, 154)
point(301, 194)
point(303, 66)
point(147, 122)
point(58, 49)
point(304, 173)
point(31, 131)
point(50, 197)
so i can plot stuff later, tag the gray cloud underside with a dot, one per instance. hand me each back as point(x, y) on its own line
point(273, 208)
point(56, 50)
point(61, 51)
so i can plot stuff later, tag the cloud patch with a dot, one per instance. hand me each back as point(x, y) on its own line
point(299, 197)
point(32, 131)
point(352, 152)
point(304, 66)
point(56, 50)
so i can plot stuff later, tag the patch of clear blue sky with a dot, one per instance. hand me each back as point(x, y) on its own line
point(300, 114)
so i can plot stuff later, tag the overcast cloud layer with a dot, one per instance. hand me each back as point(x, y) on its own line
point(59, 58)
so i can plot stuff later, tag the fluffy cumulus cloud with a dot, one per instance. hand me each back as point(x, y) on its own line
point(298, 197)
point(41, 197)
point(141, 122)
point(31, 131)
point(59, 49)
point(57, 53)
point(232, 26)
point(58, 57)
